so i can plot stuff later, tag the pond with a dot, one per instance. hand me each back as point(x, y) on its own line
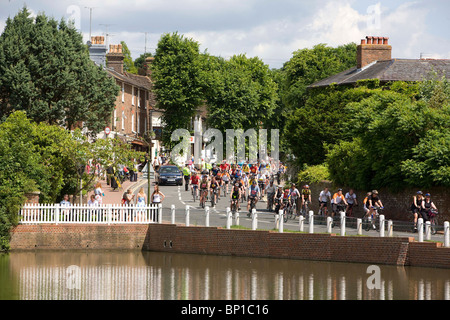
point(139, 275)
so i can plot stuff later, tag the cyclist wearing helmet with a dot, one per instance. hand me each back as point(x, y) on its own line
point(372, 201)
point(306, 194)
point(253, 194)
point(427, 206)
point(416, 207)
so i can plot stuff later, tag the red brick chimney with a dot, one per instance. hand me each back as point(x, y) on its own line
point(115, 57)
point(372, 49)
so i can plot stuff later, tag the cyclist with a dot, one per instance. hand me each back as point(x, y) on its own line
point(253, 194)
point(427, 206)
point(306, 195)
point(324, 196)
point(270, 190)
point(226, 179)
point(285, 199)
point(350, 197)
point(295, 195)
point(366, 209)
point(195, 179)
point(213, 186)
point(372, 201)
point(235, 196)
point(416, 207)
point(260, 178)
point(204, 187)
point(338, 198)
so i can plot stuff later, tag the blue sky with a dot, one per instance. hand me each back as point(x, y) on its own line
point(269, 29)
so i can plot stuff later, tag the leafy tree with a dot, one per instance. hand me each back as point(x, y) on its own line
point(241, 95)
point(178, 81)
point(140, 61)
point(46, 71)
point(128, 64)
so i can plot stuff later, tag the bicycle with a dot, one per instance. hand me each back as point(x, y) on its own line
point(270, 201)
point(304, 209)
point(432, 217)
point(214, 195)
point(323, 209)
point(195, 191)
point(373, 221)
point(252, 206)
point(203, 197)
point(234, 206)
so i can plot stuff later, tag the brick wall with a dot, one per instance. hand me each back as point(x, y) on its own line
point(232, 242)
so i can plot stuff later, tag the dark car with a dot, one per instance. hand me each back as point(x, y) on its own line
point(169, 175)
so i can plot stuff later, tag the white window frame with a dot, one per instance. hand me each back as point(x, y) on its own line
point(123, 92)
point(132, 95)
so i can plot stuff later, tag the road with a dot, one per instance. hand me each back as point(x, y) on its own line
point(181, 199)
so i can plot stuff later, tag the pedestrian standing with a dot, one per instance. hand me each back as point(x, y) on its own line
point(157, 196)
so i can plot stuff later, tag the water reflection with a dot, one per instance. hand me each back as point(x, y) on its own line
point(161, 276)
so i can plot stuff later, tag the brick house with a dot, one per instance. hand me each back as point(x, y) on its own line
point(135, 114)
point(374, 61)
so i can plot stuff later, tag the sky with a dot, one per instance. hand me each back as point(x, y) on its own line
point(269, 29)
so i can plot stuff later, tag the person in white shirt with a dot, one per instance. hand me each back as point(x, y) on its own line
point(324, 196)
point(350, 196)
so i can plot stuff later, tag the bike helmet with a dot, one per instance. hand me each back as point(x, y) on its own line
point(419, 192)
point(374, 192)
point(427, 195)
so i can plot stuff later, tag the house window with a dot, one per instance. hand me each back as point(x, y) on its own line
point(132, 95)
point(139, 98)
point(138, 124)
point(132, 123)
point(123, 120)
point(123, 92)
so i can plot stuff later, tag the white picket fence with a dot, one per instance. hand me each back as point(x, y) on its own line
point(103, 214)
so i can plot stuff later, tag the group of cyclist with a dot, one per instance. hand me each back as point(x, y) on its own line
point(422, 207)
point(242, 182)
point(251, 182)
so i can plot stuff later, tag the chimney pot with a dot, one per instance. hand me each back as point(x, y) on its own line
point(368, 53)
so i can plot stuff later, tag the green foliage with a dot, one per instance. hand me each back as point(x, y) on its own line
point(46, 71)
point(395, 138)
point(46, 158)
point(177, 75)
point(241, 93)
point(128, 64)
point(312, 174)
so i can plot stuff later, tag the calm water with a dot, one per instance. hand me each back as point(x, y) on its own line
point(121, 275)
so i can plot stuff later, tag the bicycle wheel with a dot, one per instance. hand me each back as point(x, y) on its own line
point(285, 215)
point(433, 228)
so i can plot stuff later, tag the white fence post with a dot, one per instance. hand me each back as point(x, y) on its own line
point(311, 221)
point(381, 225)
point(172, 214)
point(359, 226)
point(329, 224)
point(187, 216)
point(446, 234)
point(207, 216)
point(228, 218)
point(390, 228)
point(420, 229)
point(280, 221)
point(254, 219)
point(57, 214)
point(160, 213)
point(428, 230)
point(236, 218)
point(301, 223)
point(342, 223)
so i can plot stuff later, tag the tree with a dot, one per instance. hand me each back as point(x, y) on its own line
point(128, 64)
point(46, 71)
point(178, 81)
point(241, 94)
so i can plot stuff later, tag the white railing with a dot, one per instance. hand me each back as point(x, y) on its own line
point(104, 214)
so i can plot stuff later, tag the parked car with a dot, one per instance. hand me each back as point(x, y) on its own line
point(169, 174)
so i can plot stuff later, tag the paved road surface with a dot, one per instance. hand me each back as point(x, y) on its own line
point(176, 195)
